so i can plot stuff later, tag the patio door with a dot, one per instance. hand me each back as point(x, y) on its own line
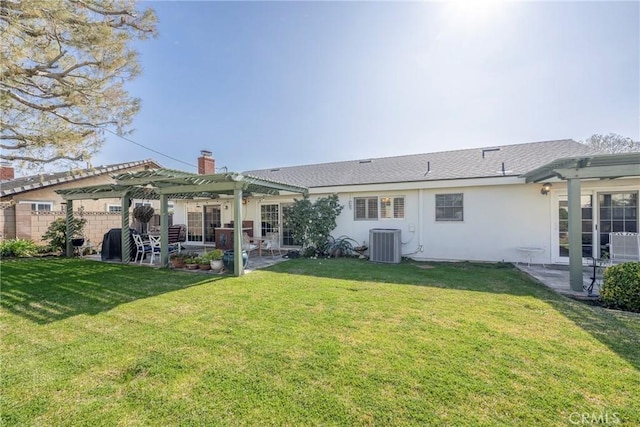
point(617, 212)
point(561, 249)
point(202, 222)
point(602, 213)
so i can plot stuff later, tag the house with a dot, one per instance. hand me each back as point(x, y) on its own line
point(475, 204)
point(29, 204)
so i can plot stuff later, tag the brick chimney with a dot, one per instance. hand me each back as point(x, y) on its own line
point(206, 163)
point(6, 171)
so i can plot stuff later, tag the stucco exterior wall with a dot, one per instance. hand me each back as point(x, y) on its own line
point(498, 218)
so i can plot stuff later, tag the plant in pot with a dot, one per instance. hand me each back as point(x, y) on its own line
point(215, 259)
point(178, 259)
point(203, 263)
point(144, 215)
point(191, 262)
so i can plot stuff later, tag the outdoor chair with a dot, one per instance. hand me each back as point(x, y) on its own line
point(623, 247)
point(142, 248)
point(154, 242)
point(272, 243)
point(177, 234)
point(247, 245)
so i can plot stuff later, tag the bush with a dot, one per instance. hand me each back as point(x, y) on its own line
point(57, 232)
point(18, 248)
point(621, 288)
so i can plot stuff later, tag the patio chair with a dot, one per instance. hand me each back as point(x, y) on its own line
point(154, 242)
point(177, 234)
point(247, 245)
point(624, 247)
point(272, 243)
point(142, 248)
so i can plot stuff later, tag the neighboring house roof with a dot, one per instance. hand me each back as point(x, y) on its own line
point(35, 182)
point(496, 161)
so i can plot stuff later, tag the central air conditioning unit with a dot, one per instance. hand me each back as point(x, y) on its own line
point(385, 245)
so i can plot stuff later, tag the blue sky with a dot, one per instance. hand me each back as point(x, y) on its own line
point(266, 84)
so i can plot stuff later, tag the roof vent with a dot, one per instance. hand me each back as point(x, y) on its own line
point(364, 161)
point(275, 170)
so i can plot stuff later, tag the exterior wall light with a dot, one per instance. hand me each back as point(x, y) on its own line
point(546, 187)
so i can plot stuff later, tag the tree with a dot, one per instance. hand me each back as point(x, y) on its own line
point(64, 64)
point(312, 223)
point(612, 143)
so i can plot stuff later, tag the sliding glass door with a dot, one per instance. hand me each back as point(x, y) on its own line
point(602, 213)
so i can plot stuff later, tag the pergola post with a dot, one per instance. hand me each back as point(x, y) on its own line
point(575, 234)
point(238, 268)
point(164, 230)
point(125, 232)
point(70, 228)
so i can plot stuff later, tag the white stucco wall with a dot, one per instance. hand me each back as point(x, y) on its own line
point(500, 215)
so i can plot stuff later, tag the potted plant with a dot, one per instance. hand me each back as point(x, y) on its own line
point(178, 259)
point(144, 215)
point(215, 259)
point(191, 262)
point(203, 263)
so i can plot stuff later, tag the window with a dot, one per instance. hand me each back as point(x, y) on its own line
point(392, 207)
point(141, 204)
point(40, 206)
point(114, 208)
point(269, 219)
point(366, 208)
point(449, 207)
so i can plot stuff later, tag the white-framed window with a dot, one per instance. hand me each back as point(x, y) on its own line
point(449, 207)
point(39, 206)
point(392, 207)
point(136, 204)
point(365, 208)
point(114, 208)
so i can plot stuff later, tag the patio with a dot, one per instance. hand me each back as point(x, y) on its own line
point(254, 263)
point(556, 277)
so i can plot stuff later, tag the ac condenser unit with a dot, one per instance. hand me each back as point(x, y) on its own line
point(384, 245)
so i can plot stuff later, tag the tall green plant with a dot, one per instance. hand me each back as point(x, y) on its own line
point(56, 234)
point(311, 223)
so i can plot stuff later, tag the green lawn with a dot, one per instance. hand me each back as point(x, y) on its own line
point(308, 342)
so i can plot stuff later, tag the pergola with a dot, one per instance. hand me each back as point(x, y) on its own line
point(165, 184)
point(574, 170)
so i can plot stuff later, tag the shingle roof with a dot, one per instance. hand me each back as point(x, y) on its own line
point(33, 182)
point(496, 161)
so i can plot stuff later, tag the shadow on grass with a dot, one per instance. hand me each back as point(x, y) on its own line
point(618, 330)
point(47, 290)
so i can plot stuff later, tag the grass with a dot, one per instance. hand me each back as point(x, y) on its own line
point(308, 342)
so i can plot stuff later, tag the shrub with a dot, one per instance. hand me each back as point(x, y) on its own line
point(57, 232)
point(340, 246)
point(621, 288)
point(19, 248)
point(311, 223)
